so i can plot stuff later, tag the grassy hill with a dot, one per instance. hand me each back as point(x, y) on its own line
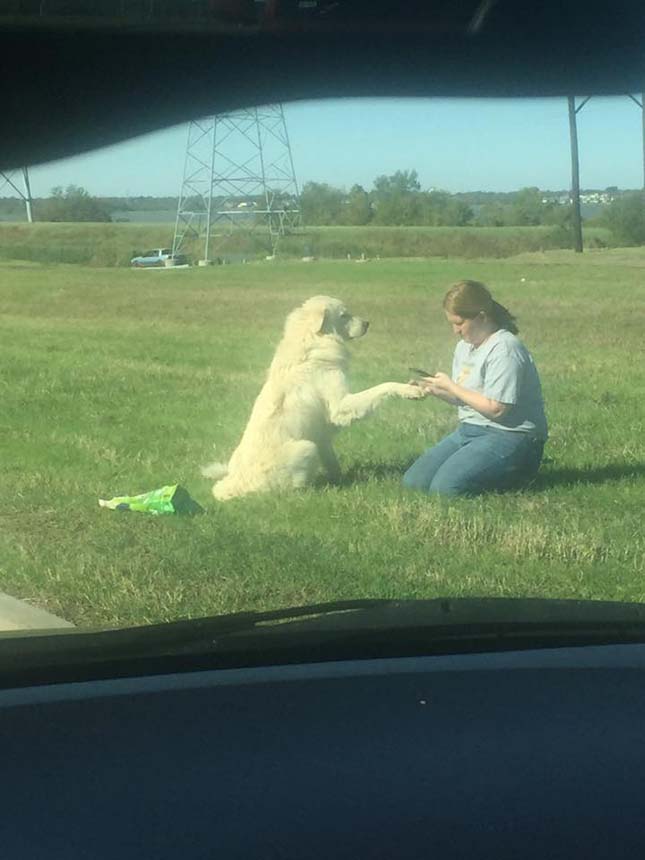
point(115, 244)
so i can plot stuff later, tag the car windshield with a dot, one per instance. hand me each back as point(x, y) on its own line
point(375, 364)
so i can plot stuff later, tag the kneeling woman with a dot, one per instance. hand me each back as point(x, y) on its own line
point(502, 427)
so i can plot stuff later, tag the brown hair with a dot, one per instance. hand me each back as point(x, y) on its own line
point(468, 299)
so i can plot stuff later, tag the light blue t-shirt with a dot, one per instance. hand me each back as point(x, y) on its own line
point(502, 369)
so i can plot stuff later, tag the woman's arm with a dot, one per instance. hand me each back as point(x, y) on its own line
point(442, 386)
point(442, 395)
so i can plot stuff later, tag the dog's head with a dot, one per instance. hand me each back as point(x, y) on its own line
point(325, 316)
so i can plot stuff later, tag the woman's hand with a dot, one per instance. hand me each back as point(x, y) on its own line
point(442, 386)
point(442, 383)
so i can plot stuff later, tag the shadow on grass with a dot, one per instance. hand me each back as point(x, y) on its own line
point(547, 477)
point(360, 473)
point(553, 477)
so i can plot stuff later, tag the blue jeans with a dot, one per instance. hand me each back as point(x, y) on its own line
point(476, 459)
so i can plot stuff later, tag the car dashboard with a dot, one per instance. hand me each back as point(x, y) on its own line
point(532, 753)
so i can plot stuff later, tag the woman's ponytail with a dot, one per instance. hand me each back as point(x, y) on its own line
point(503, 318)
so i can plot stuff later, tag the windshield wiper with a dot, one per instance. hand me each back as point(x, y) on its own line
point(358, 629)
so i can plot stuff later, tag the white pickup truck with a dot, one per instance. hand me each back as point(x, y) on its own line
point(156, 257)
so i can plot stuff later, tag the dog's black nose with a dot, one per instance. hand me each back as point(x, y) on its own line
point(366, 325)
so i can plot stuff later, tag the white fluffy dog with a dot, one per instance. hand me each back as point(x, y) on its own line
point(305, 399)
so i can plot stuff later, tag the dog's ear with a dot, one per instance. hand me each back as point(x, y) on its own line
point(319, 320)
point(325, 326)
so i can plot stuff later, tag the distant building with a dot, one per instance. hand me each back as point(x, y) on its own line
point(598, 198)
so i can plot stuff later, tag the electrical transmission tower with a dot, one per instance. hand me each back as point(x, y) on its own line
point(239, 188)
point(10, 177)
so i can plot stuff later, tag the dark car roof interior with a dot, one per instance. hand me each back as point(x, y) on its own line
point(78, 75)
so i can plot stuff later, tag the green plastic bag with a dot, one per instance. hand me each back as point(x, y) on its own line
point(173, 499)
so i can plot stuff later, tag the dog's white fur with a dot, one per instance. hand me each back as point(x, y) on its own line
point(305, 399)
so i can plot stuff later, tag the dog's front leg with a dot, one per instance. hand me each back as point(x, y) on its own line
point(351, 407)
point(330, 461)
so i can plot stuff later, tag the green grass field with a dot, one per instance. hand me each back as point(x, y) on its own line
point(117, 381)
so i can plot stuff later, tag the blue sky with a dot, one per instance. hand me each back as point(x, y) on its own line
point(457, 145)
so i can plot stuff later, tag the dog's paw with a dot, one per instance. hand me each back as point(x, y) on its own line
point(412, 392)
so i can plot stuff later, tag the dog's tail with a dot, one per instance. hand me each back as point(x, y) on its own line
point(215, 470)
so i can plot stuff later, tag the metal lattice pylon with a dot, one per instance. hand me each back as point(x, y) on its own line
point(239, 182)
point(10, 178)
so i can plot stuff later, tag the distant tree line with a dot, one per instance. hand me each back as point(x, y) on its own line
point(71, 204)
point(63, 204)
point(394, 200)
point(399, 200)
point(140, 204)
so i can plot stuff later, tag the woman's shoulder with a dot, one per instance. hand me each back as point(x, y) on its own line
point(505, 343)
point(507, 340)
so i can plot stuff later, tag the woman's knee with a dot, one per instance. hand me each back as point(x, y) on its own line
point(421, 473)
point(435, 482)
point(451, 486)
point(414, 479)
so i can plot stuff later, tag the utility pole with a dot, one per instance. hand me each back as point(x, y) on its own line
point(575, 170)
point(575, 173)
point(641, 105)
